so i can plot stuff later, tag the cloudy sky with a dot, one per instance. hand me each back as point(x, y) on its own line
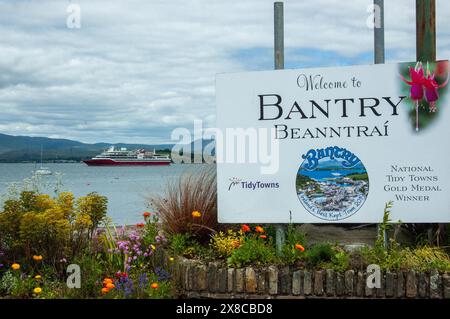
point(137, 69)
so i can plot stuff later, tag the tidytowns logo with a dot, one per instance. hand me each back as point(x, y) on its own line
point(332, 183)
point(251, 185)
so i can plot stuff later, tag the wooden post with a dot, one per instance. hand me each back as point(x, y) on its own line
point(278, 65)
point(426, 30)
point(426, 45)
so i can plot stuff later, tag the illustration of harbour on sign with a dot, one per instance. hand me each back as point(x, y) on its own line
point(332, 187)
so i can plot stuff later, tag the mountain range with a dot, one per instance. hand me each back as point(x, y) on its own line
point(28, 149)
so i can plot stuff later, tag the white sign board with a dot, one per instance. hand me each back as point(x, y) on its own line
point(334, 145)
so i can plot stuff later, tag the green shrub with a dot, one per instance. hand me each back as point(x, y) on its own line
point(16, 284)
point(223, 244)
point(179, 243)
point(340, 260)
point(320, 253)
point(92, 270)
point(425, 259)
point(8, 283)
point(95, 206)
point(36, 224)
point(253, 251)
point(186, 245)
point(391, 259)
point(294, 237)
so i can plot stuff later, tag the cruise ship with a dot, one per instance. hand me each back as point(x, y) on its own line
point(122, 156)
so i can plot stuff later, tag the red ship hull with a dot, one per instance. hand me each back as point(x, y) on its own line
point(110, 162)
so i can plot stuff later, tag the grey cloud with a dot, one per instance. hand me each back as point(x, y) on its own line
point(137, 69)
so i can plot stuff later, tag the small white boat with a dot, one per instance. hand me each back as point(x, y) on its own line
point(43, 171)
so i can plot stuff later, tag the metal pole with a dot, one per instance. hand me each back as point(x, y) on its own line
point(378, 36)
point(426, 45)
point(379, 31)
point(279, 64)
point(279, 35)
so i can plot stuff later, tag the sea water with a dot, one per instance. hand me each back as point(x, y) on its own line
point(126, 187)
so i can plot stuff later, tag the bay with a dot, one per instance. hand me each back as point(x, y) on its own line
point(127, 187)
point(321, 175)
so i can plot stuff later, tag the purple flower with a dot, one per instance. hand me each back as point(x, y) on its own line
point(162, 274)
point(143, 280)
point(160, 238)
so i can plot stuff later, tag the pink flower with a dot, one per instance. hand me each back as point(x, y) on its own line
point(431, 90)
point(422, 86)
point(416, 83)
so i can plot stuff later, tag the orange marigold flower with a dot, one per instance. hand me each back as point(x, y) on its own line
point(110, 286)
point(196, 214)
point(154, 285)
point(259, 229)
point(236, 244)
point(245, 228)
point(263, 236)
point(105, 290)
point(37, 257)
point(107, 281)
point(140, 225)
point(299, 247)
point(15, 266)
point(146, 214)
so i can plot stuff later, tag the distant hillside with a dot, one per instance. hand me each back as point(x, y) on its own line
point(28, 149)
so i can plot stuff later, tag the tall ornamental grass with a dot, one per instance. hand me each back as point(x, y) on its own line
point(195, 191)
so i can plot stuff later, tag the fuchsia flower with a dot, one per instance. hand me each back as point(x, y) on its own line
point(423, 86)
point(431, 90)
point(416, 83)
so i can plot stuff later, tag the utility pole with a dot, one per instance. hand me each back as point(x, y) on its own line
point(279, 64)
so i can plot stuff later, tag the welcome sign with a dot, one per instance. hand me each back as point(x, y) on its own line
point(342, 142)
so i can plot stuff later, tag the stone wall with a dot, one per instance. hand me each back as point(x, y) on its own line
point(213, 280)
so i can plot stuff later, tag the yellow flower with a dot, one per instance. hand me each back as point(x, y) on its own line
point(196, 214)
point(37, 277)
point(37, 257)
point(15, 266)
point(37, 290)
point(171, 259)
point(153, 246)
